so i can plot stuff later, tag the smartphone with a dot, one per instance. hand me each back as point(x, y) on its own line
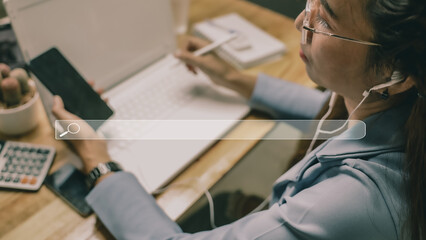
point(61, 78)
point(70, 185)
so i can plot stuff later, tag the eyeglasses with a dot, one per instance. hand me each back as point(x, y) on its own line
point(306, 27)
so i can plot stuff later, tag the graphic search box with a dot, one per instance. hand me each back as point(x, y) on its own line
point(205, 129)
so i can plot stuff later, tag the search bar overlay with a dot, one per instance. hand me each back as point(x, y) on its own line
point(207, 129)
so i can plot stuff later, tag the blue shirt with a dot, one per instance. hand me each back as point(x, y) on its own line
point(343, 189)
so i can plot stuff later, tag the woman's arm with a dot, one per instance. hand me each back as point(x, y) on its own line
point(281, 99)
point(347, 206)
point(286, 100)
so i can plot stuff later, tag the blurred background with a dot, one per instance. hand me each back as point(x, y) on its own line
point(289, 8)
point(10, 52)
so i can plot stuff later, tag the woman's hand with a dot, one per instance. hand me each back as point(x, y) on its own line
point(91, 152)
point(219, 71)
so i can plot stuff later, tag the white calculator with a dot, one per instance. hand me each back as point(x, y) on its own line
point(24, 165)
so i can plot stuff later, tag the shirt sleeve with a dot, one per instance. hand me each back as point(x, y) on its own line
point(286, 100)
point(341, 207)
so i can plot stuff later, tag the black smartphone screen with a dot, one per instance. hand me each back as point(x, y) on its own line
point(69, 184)
point(61, 78)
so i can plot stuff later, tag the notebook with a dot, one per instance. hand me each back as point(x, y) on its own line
point(253, 46)
point(126, 46)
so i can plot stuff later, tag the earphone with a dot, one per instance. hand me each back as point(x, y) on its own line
point(395, 78)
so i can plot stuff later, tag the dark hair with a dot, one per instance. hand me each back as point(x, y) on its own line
point(400, 27)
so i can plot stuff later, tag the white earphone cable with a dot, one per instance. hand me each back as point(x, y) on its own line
point(395, 78)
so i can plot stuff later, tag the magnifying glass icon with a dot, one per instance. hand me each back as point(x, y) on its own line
point(69, 130)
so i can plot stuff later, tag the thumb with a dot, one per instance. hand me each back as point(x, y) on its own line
point(59, 111)
point(189, 58)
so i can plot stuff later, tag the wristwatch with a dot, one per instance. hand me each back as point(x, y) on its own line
point(100, 170)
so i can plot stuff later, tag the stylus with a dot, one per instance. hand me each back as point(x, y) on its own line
point(211, 47)
point(215, 45)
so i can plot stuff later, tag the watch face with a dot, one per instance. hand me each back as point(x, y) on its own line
point(104, 168)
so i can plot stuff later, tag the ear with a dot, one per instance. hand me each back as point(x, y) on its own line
point(402, 86)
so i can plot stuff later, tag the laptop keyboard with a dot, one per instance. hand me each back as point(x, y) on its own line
point(165, 94)
point(155, 97)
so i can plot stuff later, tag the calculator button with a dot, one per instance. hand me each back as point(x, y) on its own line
point(1, 177)
point(36, 172)
point(16, 180)
point(24, 180)
point(15, 161)
point(28, 172)
point(5, 169)
point(45, 151)
point(33, 181)
point(8, 179)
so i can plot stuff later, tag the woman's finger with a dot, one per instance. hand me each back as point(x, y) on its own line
point(190, 59)
point(60, 112)
point(91, 82)
point(191, 68)
point(100, 91)
point(194, 43)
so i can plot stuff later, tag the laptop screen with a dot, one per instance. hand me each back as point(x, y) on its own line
point(106, 40)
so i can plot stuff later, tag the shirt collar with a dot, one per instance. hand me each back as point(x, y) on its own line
point(385, 132)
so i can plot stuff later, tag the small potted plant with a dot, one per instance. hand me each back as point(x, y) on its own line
point(18, 97)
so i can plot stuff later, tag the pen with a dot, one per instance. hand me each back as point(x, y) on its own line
point(210, 47)
point(214, 45)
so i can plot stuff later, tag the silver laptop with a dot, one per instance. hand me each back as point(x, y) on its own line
point(126, 46)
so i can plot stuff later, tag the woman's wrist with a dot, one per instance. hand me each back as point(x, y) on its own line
point(102, 171)
point(103, 177)
point(90, 164)
point(242, 83)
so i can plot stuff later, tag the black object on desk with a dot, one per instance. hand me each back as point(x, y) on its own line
point(70, 185)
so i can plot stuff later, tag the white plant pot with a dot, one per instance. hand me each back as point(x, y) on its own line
point(19, 120)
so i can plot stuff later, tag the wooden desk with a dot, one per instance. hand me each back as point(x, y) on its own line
point(42, 215)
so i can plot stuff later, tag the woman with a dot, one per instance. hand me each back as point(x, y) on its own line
point(373, 188)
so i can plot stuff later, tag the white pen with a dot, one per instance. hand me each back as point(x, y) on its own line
point(211, 47)
point(215, 45)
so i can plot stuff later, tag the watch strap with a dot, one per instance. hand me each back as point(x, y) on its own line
point(100, 170)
